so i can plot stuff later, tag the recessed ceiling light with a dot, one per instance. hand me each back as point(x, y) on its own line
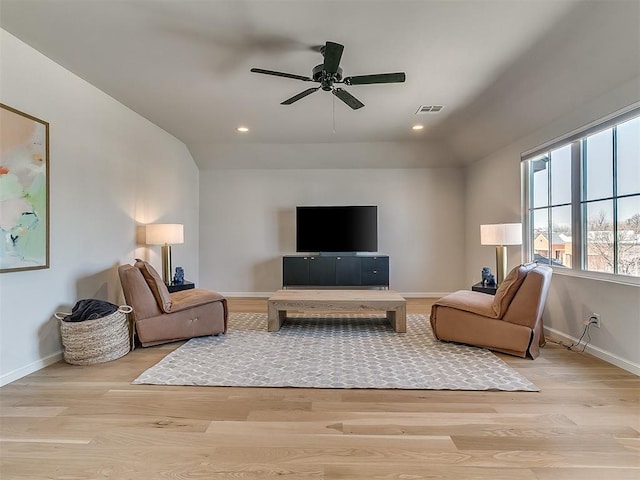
point(417, 127)
point(242, 129)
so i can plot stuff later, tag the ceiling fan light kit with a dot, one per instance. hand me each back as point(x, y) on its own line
point(329, 73)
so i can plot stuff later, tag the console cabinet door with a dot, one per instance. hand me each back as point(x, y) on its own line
point(295, 271)
point(322, 271)
point(339, 271)
point(348, 271)
point(375, 271)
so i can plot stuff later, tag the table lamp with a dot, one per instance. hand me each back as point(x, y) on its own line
point(500, 235)
point(165, 234)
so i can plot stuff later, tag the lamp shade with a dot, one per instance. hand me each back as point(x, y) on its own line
point(164, 233)
point(501, 234)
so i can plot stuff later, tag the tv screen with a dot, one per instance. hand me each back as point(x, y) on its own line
point(337, 229)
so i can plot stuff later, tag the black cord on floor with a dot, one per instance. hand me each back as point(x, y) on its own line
point(586, 331)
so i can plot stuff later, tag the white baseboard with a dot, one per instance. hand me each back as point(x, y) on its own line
point(246, 294)
point(424, 294)
point(268, 294)
point(597, 352)
point(32, 367)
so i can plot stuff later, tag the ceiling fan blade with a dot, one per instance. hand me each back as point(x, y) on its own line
point(281, 74)
point(299, 96)
point(347, 98)
point(332, 56)
point(376, 78)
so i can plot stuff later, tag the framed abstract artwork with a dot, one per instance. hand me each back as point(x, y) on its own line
point(24, 191)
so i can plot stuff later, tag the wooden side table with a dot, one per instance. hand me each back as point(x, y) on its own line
point(479, 288)
point(177, 287)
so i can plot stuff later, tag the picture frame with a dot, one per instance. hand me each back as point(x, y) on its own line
point(24, 191)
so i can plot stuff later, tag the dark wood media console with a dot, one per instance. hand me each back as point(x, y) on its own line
point(335, 271)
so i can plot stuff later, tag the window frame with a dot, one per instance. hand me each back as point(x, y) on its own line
point(577, 140)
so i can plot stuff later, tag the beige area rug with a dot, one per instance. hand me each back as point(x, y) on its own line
point(333, 351)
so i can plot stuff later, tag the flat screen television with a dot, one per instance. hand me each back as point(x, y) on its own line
point(337, 229)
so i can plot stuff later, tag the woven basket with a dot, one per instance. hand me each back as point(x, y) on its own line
point(96, 341)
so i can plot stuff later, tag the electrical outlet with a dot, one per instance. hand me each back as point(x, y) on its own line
point(594, 319)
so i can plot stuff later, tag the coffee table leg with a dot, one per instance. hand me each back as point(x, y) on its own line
point(275, 318)
point(398, 319)
point(391, 317)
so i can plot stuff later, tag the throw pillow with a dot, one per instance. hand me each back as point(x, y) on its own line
point(156, 284)
point(509, 287)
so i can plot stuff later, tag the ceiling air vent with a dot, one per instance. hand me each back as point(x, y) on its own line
point(429, 109)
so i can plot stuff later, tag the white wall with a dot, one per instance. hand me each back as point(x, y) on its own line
point(247, 222)
point(110, 170)
point(493, 195)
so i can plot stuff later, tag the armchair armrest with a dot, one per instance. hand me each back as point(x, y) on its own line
point(469, 301)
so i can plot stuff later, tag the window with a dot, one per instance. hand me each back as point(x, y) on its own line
point(582, 198)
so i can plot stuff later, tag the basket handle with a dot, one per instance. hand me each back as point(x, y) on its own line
point(121, 308)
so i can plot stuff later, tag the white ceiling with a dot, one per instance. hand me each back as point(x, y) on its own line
point(500, 68)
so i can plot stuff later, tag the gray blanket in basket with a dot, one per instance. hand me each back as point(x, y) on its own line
point(90, 309)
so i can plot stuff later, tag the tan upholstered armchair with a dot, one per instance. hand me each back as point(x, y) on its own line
point(162, 317)
point(509, 322)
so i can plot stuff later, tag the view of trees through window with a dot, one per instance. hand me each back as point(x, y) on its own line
point(584, 202)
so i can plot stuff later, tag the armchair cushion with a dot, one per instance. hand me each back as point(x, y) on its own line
point(137, 290)
point(469, 301)
point(156, 284)
point(509, 287)
point(192, 298)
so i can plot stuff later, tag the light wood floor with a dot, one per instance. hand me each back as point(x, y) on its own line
point(70, 422)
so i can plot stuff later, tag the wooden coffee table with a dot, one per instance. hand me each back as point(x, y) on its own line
point(331, 300)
